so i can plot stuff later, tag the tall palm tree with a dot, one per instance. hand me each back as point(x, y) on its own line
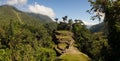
point(81, 22)
point(70, 22)
point(76, 21)
point(56, 19)
point(65, 18)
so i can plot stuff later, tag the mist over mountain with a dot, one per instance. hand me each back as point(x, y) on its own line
point(88, 26)
point(98, 27)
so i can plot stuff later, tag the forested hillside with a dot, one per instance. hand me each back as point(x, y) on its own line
point(9, 12)
point(23, 37)
point(27, 36)
point(112, 14)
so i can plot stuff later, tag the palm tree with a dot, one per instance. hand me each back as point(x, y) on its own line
point(64, 18)
point(56, 19)
point(76, 21)
point(70, 22)
point(80, 21)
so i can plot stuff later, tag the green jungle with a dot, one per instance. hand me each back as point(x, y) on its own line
point(33, 37)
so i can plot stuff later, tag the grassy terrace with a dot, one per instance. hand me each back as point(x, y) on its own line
point(62, 45)
point(73, 57)
point(58, 50)
point(64, 33)
point(65, 37)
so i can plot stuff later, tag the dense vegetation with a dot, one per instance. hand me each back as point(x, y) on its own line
point(27, 37)
point(112, 14)
point(23, 38)
point(95, 45)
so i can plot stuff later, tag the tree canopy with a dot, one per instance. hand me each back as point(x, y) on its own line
point(112, 14)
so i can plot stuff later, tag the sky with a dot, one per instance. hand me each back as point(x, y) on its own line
point(74, 9)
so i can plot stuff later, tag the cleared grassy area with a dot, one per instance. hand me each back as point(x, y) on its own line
point(62, 45)
point(67, 37)
point(73, 57)
point(64, 33)
point(64, 38)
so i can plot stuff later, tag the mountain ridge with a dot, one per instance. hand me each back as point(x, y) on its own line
point(98, 27)
point(8, 12)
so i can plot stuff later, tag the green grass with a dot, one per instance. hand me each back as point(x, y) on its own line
point(62, 45)
point(62, 32)
point(73, 57)
point(59, 37)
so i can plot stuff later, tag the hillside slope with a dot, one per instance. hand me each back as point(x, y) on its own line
point(8, 13)
point(23, 37)
point(45, 19)
point(98, 27)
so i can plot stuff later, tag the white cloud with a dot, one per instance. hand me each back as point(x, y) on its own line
point(90, 23)
point(41, 9)
point(16, 2)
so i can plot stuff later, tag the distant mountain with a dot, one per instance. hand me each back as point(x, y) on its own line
point(98, 27)
point(8, 13)
point(88, 26)
point(44, 18)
